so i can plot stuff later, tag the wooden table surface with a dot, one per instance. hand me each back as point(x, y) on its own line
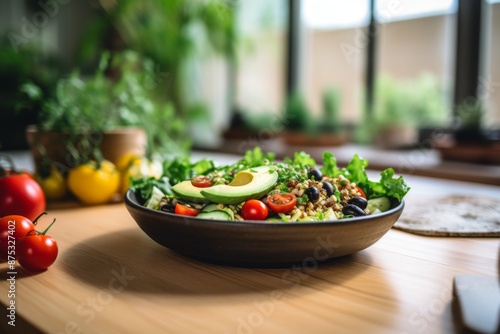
point(111, 278)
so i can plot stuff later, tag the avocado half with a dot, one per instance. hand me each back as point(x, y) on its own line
point(247, 184)
point(187, 191)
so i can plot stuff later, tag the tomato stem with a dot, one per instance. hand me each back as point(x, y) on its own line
point(36, 219)
point(43, 233)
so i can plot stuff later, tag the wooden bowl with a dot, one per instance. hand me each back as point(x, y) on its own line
point(261, 243)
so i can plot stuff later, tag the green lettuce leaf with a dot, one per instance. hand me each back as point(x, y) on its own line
point(394, 187)
point(330, 167)
point(355, 171)
point(256, 157)
point(302, 160)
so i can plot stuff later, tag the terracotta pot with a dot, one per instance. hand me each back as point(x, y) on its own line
point(396, 137)
point(117, 142)
point(113, 144)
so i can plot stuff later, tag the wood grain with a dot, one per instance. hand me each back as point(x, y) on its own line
point(111, 278)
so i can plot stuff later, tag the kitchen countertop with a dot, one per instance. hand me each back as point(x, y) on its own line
point(111, 278)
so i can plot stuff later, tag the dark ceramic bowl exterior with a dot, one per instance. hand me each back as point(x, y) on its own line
point(256, 243)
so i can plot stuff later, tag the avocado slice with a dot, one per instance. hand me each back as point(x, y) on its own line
point(247, 184)
point(188, 192)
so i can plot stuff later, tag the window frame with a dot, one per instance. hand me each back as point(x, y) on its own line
point(467, 53)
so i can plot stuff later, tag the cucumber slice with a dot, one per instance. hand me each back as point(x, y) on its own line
point(210, 207)
point(154, 200)
point(380, 203)
point(216, 214)
point(218, 207)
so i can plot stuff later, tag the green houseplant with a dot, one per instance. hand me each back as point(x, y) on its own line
point(171, 33)
point(402, 108)
point(330, 122)
point(17, 67)
point(469, 140)
point(470, 117)
point(297, 115)
point(303, 128)
point(87, 115)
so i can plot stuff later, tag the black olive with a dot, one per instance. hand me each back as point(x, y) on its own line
point(168, 208)
point(315, 174)
point(312, 193)
point(353, 210)
point(358, 201)
point(329, 188)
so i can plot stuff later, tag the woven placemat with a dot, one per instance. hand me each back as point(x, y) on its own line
point(452, 216)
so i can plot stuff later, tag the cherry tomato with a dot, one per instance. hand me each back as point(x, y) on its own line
point(361, 192)
point(20, 194)
point(185, 210)
point(282, 203)
point(201, 181)
point(36, 251)
point(254, 210)
point(14, 226)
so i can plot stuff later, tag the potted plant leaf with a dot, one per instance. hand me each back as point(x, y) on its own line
point(469, 141)
point(302, 128)
point(331, 132)
point(470, 115)
point(394, 124)
point(106, 115)
point(16, 67)
point(172, 33)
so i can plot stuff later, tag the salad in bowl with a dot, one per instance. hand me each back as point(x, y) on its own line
point(258, 188)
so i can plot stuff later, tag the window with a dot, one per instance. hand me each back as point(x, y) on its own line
point(415, 62)
point(489, 81)
point(414, 49)
point(261, 64)
point(334, 44)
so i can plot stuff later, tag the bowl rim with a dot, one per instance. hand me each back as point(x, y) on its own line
point(131, 202)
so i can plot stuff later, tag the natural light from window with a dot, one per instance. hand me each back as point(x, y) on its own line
point(343, 14)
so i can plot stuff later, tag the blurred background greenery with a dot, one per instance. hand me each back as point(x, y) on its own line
point(202, 67)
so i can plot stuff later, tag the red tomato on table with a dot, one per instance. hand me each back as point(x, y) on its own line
point(16, 227)
point(20, 194)
point(36, 251)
